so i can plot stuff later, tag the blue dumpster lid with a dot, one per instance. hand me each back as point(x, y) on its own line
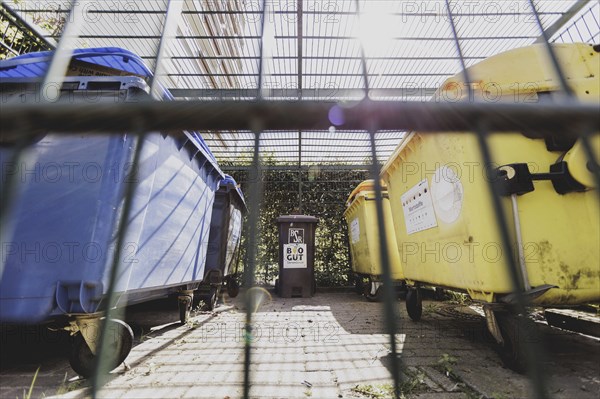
point(230, 182)
point(35, 65)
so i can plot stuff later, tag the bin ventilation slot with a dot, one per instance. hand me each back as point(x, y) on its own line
point(70, 86)
point(103, 85)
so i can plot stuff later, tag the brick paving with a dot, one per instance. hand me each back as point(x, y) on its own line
point(329, 346)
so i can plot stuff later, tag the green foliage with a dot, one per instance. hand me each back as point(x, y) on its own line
point(430, 308)
point(28, 394)
point(18, 37)
point(408, 387)
point(375, 391)
point(66, 387)
point(458, 298)
point(316, 191)
point(446, 364)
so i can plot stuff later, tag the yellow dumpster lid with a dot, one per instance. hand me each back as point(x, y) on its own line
point(396, 154)
point(367, 185)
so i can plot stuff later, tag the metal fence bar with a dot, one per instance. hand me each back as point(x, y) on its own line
point(281, 12)
point(544, 38)
point(389, 294)
point(102, 368)
point(255, 195)
point(170, 27)
point(593, 165)
point(562, 21)
point(291, 37)
point(100, 376)
point(59, 63)
point(585, 138)
point(532, 351)
point(389, 298)
point(535, 120)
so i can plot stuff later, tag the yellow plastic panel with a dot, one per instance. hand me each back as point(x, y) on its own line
point(363, 233)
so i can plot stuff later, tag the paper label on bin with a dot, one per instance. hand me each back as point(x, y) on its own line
point(294, 256)
point(447, 192)
point(418, 208)
point(354, 231)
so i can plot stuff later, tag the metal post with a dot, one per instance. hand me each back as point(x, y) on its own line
point(300, 202)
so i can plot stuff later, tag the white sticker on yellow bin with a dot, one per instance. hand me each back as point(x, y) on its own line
point(447, 192)
point(418, 208)
point(354, 231)
point(294, 256)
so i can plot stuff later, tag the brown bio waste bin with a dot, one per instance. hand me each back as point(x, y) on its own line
point(296, 256)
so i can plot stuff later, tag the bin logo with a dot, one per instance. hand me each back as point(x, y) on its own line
point(294, 256)
point(296, 236)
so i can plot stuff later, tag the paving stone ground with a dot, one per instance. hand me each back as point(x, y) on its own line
point(330, 346)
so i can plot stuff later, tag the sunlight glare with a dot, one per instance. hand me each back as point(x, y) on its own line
point(376, 30)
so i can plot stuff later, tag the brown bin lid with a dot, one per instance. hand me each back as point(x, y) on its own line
point(297, 219)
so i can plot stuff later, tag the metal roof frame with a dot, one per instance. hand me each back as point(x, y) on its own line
point(310, 61)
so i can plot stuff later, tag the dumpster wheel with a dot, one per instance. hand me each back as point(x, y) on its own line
point(211, 299)
point(359, 284)
point(233, 287)
point(377, 297)
point(185, 309)
point(510, 350)
point(119, 344)
point(377, 287)
point(414, 303)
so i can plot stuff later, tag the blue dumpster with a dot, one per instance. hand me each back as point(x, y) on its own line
point(69, 194)
point(223, 242)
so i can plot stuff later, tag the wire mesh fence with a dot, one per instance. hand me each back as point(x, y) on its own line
point(319, 184)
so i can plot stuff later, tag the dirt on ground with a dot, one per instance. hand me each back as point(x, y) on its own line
point(333, 345)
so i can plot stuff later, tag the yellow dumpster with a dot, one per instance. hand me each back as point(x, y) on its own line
point(442, 210)
point(361, 217)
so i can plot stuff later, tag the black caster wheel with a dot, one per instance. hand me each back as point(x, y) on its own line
point(511, 351)
point(185, 309)
point(377, 297)
point(378, 293)
point(359, 285)
point(212, 298)
point(118, 346)
point(233, 288)
point(414, 303)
